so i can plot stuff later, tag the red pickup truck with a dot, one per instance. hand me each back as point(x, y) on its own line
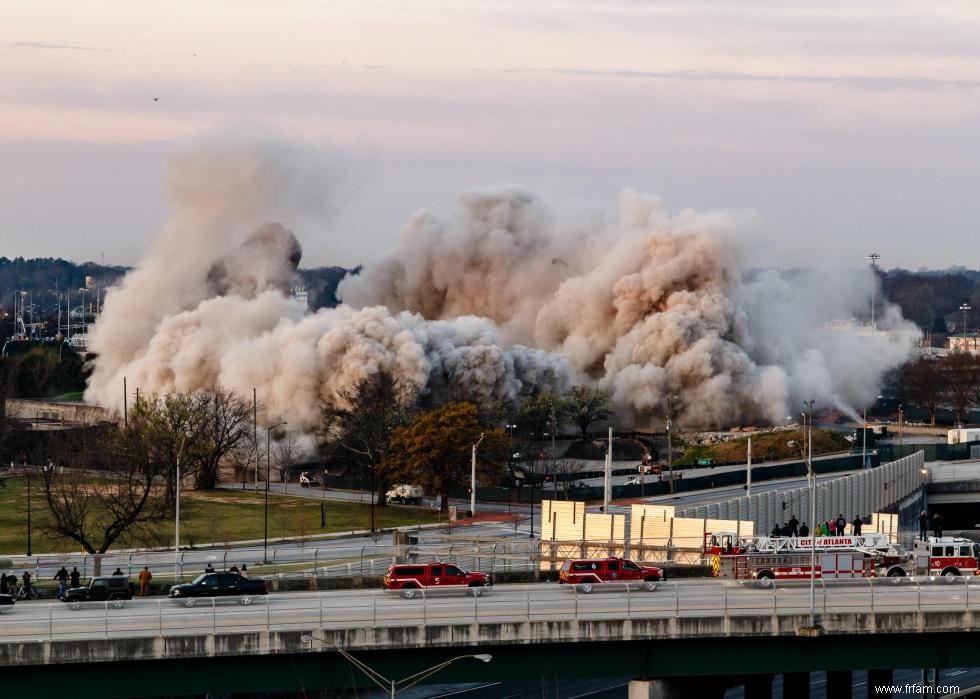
point(410, 578)
point(585, 573)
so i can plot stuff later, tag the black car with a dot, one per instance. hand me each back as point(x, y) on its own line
point(110, 588)
point(6, 599)
point(224, 584)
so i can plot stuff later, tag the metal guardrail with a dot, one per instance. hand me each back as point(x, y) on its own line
point(857, 494)
point(359, 610)
point(339, 561)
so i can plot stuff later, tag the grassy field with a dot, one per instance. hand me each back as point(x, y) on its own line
point(206, 517)
point(765, 447)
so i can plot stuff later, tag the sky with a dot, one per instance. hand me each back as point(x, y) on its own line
point(835, 129)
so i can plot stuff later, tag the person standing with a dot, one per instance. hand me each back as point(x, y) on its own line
point(857, 524)
point(841, 523)
point(145, 577)
point(27, 585)
point(923, 525)
point(3, 583)
point(76, 577)
point(937, 524)
point(244, 570)
point(804, 530)
point(794, 526)
point(62, 577)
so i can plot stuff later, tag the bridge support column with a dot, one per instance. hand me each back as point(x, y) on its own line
point(839, 684)
point(760, 687)
point(878, 678)
point(677, 688)
point(796, 684)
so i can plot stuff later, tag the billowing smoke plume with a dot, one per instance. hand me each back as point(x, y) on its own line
point(207, 308)
point(497, 303)
point(647, 304)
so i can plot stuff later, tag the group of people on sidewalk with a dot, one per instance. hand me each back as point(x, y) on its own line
point(8, 583)
point(832, 527)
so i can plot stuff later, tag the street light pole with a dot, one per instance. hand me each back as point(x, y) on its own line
point(813, 511)
point(27, 470)
point(864, 441)
point(670, 456)
point(473, 477)
point(180, 454)
point(391, 687)
point(965, 307)
point(901, 435)
point(874, 257)
point(268, 469)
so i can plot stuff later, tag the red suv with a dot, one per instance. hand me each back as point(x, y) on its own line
point(409, 578)
point(587, 572)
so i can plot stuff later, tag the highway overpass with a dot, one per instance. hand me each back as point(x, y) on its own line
point(680, 633)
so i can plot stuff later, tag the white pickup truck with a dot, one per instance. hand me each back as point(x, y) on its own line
point(405, 494)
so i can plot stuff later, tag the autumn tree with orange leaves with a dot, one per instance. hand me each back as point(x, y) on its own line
point(434, 450)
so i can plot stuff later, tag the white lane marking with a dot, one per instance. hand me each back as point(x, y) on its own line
point(954, 674)
point(599, 691)
point(462, 691)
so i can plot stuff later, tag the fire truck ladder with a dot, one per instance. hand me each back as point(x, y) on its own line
point(870, 544)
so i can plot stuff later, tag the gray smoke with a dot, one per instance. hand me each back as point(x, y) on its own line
point(496, 303)
point(647, 304)
point(207, 308)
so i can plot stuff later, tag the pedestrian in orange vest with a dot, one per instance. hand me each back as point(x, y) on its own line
point(145, 577)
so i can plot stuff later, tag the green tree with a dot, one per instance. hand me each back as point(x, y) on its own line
point(435, 450)
point(586, 405)
point(361, 421)
point(534, 416)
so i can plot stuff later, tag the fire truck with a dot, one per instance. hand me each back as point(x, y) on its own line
point(788, 557)
point(946, 555)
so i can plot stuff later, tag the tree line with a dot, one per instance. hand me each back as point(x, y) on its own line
point(111, 479)
point(952, 380)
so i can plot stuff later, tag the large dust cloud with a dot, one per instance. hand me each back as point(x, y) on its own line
point(498, 302)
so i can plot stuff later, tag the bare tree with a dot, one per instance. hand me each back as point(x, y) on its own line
point(960, 381)
point(163, 437)
point(97, 509)
point(922, 384)
point(286, 451)
point(224, 421)
point(565, 471)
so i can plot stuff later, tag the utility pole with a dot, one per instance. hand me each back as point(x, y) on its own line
point(606, 487)
point(554, 457)
point(473, 477)
point(670, 455)
point(255, 436)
